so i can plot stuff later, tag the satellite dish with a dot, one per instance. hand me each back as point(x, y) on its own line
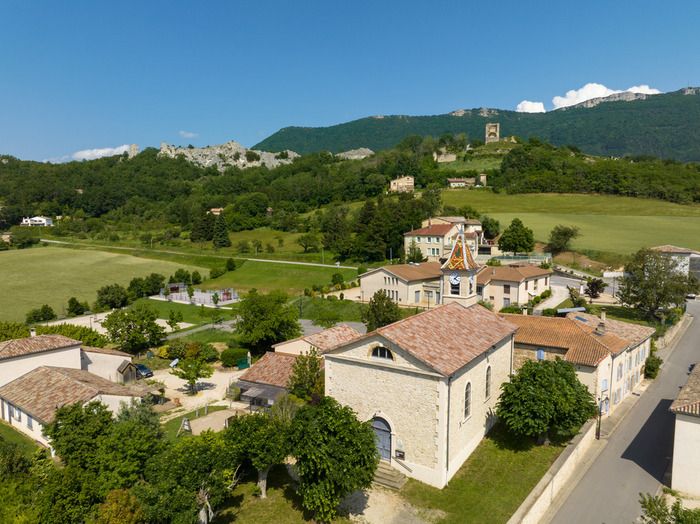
point(174, 362)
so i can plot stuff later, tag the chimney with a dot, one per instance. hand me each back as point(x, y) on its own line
point(600, 328)
point(602, 315)
point(524, 311)
point(32, 332)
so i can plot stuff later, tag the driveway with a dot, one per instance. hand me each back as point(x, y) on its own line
point(209, 390)
point(637, 455)
point(95, 320)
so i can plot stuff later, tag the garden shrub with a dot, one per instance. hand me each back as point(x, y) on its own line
point(230, 357)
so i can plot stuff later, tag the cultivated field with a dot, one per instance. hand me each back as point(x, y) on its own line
point(51, 275)
point(611, 224)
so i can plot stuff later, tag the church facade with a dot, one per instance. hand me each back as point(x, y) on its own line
point(429, 383)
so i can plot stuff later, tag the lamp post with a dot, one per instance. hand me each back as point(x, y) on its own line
point(601, 403)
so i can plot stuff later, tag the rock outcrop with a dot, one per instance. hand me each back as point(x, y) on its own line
point(230, 154)
point(625, 96)
point(355, 154)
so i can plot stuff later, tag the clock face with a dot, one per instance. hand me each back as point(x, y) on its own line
point(455, 278)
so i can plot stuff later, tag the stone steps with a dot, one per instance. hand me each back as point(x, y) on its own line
point(389, 477)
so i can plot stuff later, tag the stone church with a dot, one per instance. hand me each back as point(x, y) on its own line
point(429, 383)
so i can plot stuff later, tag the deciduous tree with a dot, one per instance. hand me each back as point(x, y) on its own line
point(266, 319)
point(134, 329)
point(306, 381)
point(517, 238)
point(594, 287)
point(380, 311)
point(560, 237)
point(191, 369)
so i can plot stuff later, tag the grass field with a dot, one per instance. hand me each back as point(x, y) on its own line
point(9, 434)
point(171, 427)
point(51, 275)
point(477, 163)
point(491, 484)
point(266, 276)
point(607, 223)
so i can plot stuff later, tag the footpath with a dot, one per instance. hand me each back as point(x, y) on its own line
point(612, 422)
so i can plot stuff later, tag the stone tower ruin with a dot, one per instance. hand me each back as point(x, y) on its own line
point(493, 132)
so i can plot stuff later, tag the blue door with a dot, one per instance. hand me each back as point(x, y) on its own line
point(382, 432)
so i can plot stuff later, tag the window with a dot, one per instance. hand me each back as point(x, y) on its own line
point(454, 288)
point(604, 385)
point(468, 400)
point(540, 354)
point(506, 289)
point(382, 352)
point(506, 302)
point(619, 371)
point(488, 382)
point(417, 297)
point(546, 280)
point(527, 285)
point(30, 422)
point(536, 282)
point(480, 290)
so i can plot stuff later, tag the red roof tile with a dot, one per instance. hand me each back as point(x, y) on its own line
point(688, 400)
point(38, 344)
point(434, 229)
point(510, 273)
point(273, 369)
point(332, 337)
point(448, 337)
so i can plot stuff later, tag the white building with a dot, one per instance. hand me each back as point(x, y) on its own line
point(23, 355)
point(688, 259)
point(511, 285)
point(37, 221)
point(686, 437)
point(406, 284)
point(428, 383)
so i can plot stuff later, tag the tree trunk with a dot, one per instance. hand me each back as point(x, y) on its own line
point(262, 482)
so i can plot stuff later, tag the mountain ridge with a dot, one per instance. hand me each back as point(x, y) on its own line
point(665, 125)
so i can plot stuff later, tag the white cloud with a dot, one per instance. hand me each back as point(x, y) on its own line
point(526, 106)
point(187, 134)
point(92, 154)
point(594, 90)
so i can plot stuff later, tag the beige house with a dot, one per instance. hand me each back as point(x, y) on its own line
point(428, 383)
point(30, 402)
point(511, 285)
point(608, 355)
point(404, 184)
point(436, 236)
point(686, 437)
point(321, 341)
point(405, 284)
point(20, 356)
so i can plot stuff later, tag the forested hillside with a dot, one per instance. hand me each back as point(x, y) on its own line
point(665, 126)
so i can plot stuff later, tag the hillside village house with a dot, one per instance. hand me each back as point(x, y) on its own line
point(458, 183)
point(436, 236)
point(321, 341)
point(69, 374)
point(511, 285)
point(37, 221)
point(406, 284)
point(404, 184)
point(608, 355)
point(428, 383)
point(688, 259)
point(30, 402)
point(686, 436)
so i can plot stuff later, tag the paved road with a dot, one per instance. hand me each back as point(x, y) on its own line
point(170, 252)
point(638, 453)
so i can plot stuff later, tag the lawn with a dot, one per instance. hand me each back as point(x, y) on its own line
point(190, 313)
point(316, 308)
point(9, 434)
point(51, 275)
point(211, 335)
point(637, 222)
point(475, 163)
point(491, 484)
point(171, 427)
point(266, 276)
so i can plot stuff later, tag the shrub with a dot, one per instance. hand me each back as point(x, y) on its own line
point(511, 309)
point(549, 312)
point(41, 314)
point(361, 270)
point(337, 278)
point(216, 272)
point(493, 262)
point(208, 353)
point(652, 365)
point(488, 305)
point(342, 296)
point(230, 264)
point(546, 294)
point(230, 357)
point(177, 349)
point(196, 277)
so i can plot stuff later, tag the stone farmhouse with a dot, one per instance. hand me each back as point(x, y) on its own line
point(404, 184)
point(686, 436)
point(40, 373)
point(608, 355)
point(436, 236)
point(457, 183)
point(511, 285)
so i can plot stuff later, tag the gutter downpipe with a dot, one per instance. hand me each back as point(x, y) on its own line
point(447, 447)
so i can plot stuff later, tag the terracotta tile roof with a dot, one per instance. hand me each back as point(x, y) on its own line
point(461, 220)
point(634, 334)
point(438, 230)
point(412, 272)
point(330, 338)
point(273, 369)
point(581, 346)
point(668, 248)
point(38, 344)
point(460, 258)
point(448, 337)
point(688, 400)
point(106, 351)
point(44, 389)
point(510, 273)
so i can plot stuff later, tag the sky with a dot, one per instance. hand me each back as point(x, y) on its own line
point(80, 79)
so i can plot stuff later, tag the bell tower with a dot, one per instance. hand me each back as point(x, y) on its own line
point(459, 274)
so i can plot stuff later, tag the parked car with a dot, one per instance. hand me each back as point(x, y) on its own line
point(143, 371)
point(690, 296)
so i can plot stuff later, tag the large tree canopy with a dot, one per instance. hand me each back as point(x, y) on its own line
point(267, 319)
point(517, 238)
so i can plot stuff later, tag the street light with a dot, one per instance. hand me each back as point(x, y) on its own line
point(601, 403)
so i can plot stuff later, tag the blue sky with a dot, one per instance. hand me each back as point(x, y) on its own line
point(81, 75)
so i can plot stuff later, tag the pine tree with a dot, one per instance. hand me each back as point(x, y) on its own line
point(220, 237)
point(203, 228)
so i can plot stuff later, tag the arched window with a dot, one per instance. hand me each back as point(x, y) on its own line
point(540, 354)
point(488, 382)
point(468, 400)
point(382, 352)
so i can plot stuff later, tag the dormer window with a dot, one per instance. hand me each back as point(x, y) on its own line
point(382, 352)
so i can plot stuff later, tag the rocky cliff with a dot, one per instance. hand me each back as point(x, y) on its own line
point(230, 154)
